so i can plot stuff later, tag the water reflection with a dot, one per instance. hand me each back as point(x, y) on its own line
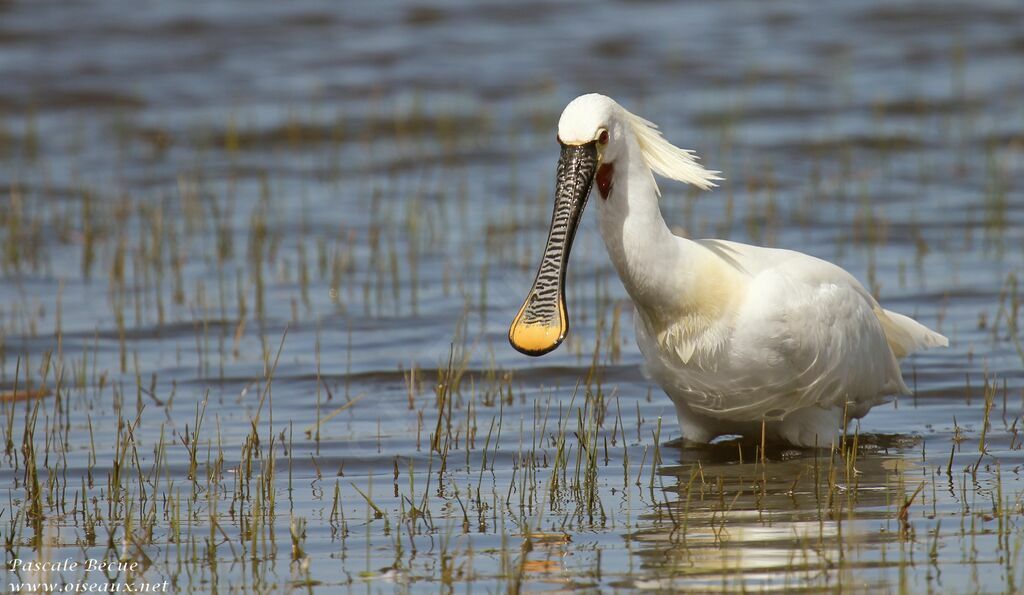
point(190, 192)
point(727, 519)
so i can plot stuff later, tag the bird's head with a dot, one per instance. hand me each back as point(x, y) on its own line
point(594, 133)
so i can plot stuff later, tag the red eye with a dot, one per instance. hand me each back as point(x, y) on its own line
point(603, 139)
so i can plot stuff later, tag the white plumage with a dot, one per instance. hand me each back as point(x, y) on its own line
point(737, 335)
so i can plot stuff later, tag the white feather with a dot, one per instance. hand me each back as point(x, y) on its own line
point(906, 335)
point(666, 159)
point(800, 333)
point(737, 335)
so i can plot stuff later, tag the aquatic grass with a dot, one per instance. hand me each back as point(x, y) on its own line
point(511, 451)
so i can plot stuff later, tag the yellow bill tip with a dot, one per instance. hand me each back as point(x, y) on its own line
point(538, 338)
point(535, 339)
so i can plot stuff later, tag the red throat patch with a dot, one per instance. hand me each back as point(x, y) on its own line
point(604, 179)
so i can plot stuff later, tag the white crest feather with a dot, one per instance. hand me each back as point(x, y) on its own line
point(666, 159)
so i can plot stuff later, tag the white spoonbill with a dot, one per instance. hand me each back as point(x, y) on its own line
point(742, 338)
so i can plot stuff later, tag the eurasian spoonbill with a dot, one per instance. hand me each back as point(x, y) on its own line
point(743, 339)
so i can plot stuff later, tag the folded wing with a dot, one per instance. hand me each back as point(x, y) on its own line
point(806, 333)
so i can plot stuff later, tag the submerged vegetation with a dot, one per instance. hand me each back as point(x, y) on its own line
point(260, 346)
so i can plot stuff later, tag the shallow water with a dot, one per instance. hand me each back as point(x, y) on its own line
point(306, 227)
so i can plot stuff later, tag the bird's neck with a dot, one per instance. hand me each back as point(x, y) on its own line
point(668, 278)
point(651, 261)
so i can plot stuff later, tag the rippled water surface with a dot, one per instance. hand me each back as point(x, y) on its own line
point(258, 261)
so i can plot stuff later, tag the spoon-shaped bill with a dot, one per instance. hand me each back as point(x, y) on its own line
point(543, 321)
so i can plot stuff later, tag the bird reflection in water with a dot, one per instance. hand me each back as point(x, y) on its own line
point(724, 517)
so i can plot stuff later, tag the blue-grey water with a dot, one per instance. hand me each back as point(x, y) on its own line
point(308, 224)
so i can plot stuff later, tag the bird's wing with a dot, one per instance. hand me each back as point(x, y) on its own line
point(815, 332)
point(806, 333)
point(749, 260)
point(904, 335)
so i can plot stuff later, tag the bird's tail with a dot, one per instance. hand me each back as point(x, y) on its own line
point(906, 335)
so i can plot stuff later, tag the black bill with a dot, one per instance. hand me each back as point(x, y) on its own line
point(543, 321)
